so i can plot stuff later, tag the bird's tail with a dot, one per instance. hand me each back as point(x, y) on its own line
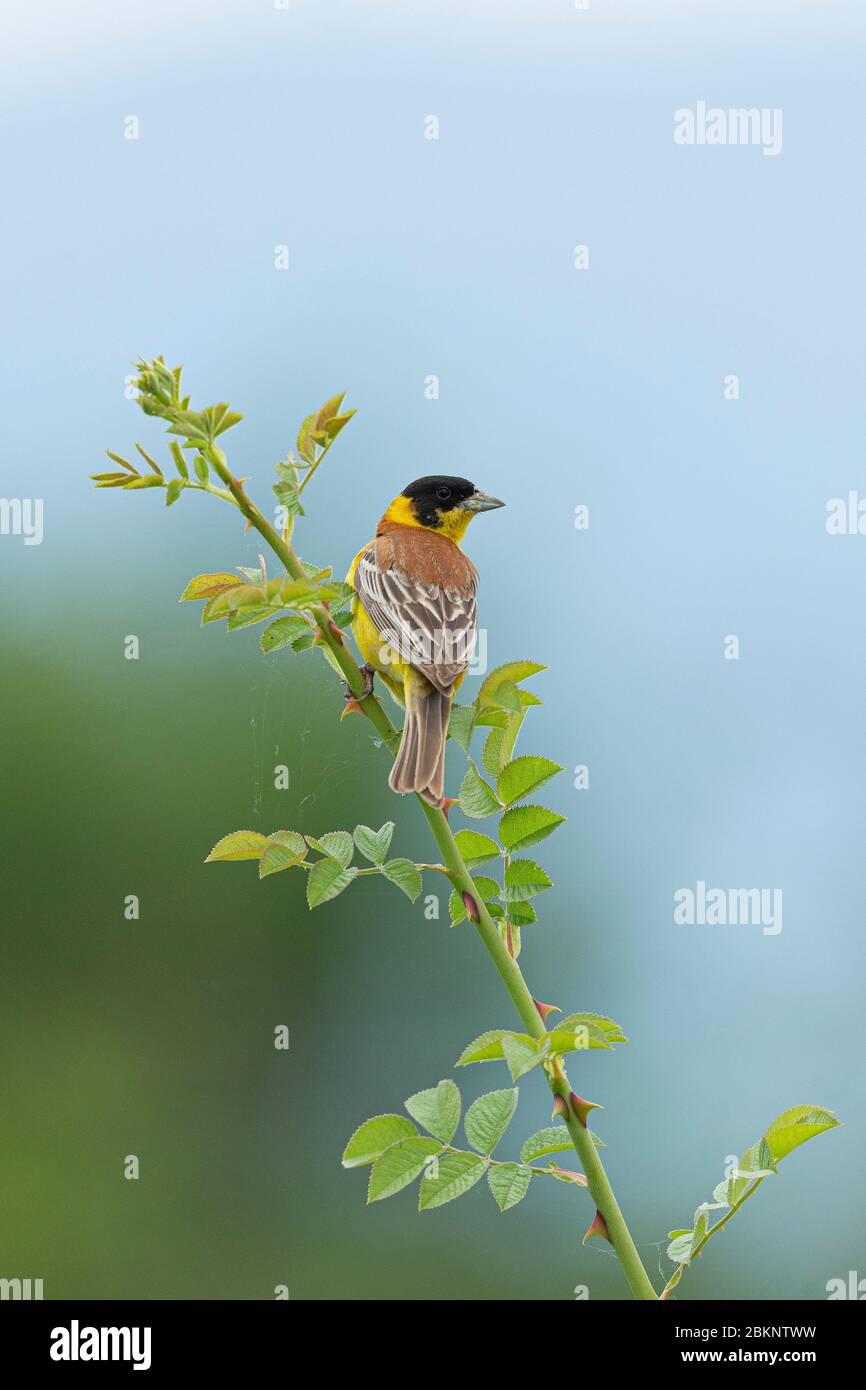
point(420, 762)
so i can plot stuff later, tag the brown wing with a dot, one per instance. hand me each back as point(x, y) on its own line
point(432, 626)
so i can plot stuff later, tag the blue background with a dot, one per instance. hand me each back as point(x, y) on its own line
point(558, 387)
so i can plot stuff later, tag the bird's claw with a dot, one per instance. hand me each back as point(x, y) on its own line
point(353, 701)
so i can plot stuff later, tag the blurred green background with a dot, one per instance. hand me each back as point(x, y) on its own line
point(263, 127)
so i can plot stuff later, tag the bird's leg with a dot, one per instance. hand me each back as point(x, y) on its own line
point(353, 702)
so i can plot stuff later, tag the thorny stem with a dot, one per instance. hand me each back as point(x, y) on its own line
point(512, 977)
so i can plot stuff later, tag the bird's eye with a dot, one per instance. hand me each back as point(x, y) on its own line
point(443, 493)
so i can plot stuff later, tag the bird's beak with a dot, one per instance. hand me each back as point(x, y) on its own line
point(481, 502)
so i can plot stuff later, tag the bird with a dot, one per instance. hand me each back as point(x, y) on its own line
point(414, 618)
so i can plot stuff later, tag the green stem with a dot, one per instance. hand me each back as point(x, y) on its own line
point(512, 977)
point(598, 1185)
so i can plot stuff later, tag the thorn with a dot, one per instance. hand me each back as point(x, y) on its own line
point(560, 1108)
point(582, 1107)
point(545, 1009)
point(598, 1228)
point(447, 803)
point(352, 706)
point(471, 907)
point(335, 632)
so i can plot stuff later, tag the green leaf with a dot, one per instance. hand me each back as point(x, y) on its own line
point(240, 844)
point(523, 826)
point(283, 849)
point(374, 844)
point(486, 1048)
point(374, 1136)
point(509, 1183)
point(787, 1132)
point(461, 724)
point(209, 586)
point(283, 633)
point(680, 1250)
point(521, 1052)
point(455, 1174)
point(512, 672)
point(524, 775)
point(551, 1140)
point(521, 914)
point(793, 1127)
point(491, 753)
point(524, 879)
point(505, 696)
point(613, 1032)
point(399, 1165)
point(578, 1039)
point(477, 798)
point(487, 1119)
point(438, 1110)
point(326, 880)
point(337, 844)
point(173, 491)
point(247, 617)
point(199, 463)
point(405, 875)
point(476, 848)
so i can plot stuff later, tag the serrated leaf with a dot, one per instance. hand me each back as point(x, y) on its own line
point(405, 875)
point(374, 1136)
point(399, 1165)
point(524, 775)
point(460, 725)
point(240, 844)
point(488, 1117)
point(457, 1172)
point(521, 1052)
point(485, 1048)
point(523, 826)
point(490, 754)
point(477, 798)
point(793, 1127)
point(374, 844)
point(509, 1183)
point(209, 586)
point(248, 617)
point(284, 633)
point(326, 880)
point(476, 848)
point(680, 1249)
point(552, 1139)
point(284, 849)
point(437, 1109)
point(337, 844)
point(522, 914)
point(512, 671)
point(560, 1041)
point(524, 879)
point(612, 1030)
